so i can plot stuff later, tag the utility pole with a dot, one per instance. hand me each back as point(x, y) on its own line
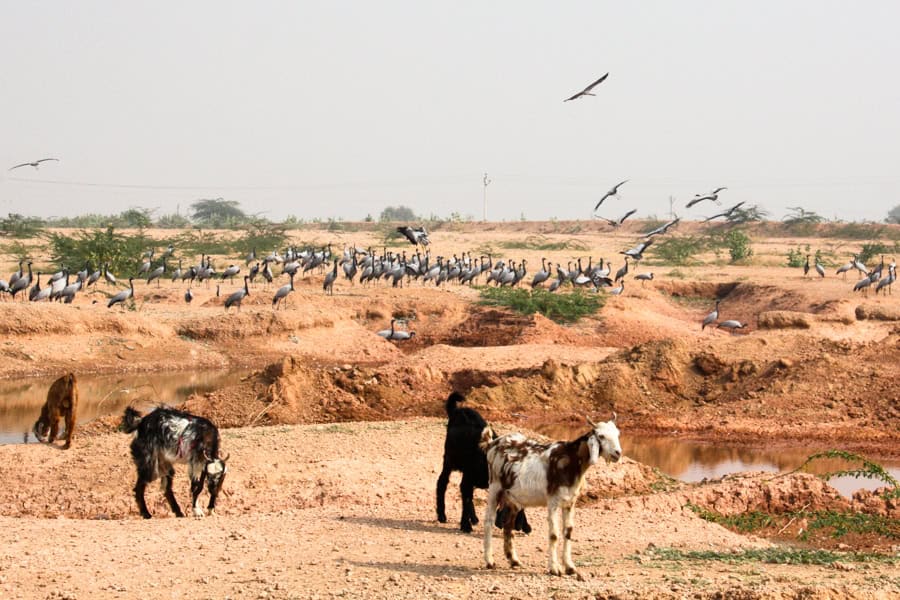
point(671, 209)
point(487, 182)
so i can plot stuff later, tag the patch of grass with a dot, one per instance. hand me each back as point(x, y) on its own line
point(540, 242)
point(842, 523)
point(197, 241)
point(778, 555)
point(743, 522)
point(676, 274)
point(856, 231)
point(561, 307)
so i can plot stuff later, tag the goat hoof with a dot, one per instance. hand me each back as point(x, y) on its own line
point(556, 571)
point(571, 571)
point(465, 527)
point(442, 518)
point(490, 565)
point(514, 564)
point(474, 520)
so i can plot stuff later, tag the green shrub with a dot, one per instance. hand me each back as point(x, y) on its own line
point(18, 226)
point(99, 247)
point(561, 307)
point(873, 249)
point(738, 244)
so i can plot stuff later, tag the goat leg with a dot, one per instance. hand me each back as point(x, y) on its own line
point(196, 489)
point(467, 491)
point(139, 488)
point(442, 481)
point(170, 495)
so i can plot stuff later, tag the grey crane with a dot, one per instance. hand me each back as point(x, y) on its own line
point(732, 325)
point(711, 317)
point(806, 266)
point(637, 253)
point(109, 277)
point(188, 295)
point(250, 257)
point(820, 269)
point(613, 191)
point(616, 222)
point(237, 297)
point(616, 291)
point(157, 273)
point(39, 293)
point(34, 164)
point(330, 278)
point(846, 267)
point(663, 228)
point(178, 273)
point(396, 334)
point(36, 288)
point(587, 91)
point(417, 236)
point(726, 214)
point(16, 275)
point(887, 282)
point(542, 275)
point(622, 272)
point(863, 284)
point(713, 195)
point(282, 294)
point(122, 296)
point(21, 283)
point(230, 272)
point(642, 277)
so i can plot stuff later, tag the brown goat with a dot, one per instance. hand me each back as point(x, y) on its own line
point(62, 402)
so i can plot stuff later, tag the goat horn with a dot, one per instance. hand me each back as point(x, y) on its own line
point(591, 423)
point(227, 456)
point(614, 417)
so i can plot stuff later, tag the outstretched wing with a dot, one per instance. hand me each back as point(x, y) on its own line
point(587, 89)
point(22, 165)
point(628, 214)
point(46, 159)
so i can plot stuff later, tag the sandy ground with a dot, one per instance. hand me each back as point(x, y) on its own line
point(336, 436)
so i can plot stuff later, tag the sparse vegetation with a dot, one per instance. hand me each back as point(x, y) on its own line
point(779, 555)
point(397, 213)
point(561, 307)
point(678, 250)
point(18, 226)
point(98, 247)
point(540, 242)
point(867, 469)
point(747, 214)
point(873, 249)
point(801, 221)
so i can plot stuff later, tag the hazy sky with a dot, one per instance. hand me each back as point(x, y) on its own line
point(338, 109)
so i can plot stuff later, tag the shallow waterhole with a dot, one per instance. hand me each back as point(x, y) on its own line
point(99, 395)
point(693, 461)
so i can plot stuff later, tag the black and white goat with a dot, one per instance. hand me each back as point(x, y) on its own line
point(462, 453)
point(166, 436)
point(526, 472)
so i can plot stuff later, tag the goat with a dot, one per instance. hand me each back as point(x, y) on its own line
point(526, 472)
point(462, 453)
point(166, 436)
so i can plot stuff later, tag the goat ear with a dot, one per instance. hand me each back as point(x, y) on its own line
point(615, 416)
point(591, 423)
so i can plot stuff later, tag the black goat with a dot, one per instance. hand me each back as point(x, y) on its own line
point(462, 453)
point(166, 436)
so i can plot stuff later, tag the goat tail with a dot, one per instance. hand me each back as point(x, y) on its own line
point(452, 400)
point(130, 420)
point(487, 436)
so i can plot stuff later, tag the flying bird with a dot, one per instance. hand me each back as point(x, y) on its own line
point(33, 164)
point(415, 236)
point(662, 228)
point(612, 192)
point(587, 91)
point(616, 223)
point(713, 195)
point(726, 214)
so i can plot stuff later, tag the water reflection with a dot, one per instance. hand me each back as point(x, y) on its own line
point(693, 461)
point(21, 401)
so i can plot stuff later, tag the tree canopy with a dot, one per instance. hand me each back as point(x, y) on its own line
point(397, 213)
point(217, 212)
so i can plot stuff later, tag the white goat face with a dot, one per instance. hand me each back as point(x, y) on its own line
point(605, 441)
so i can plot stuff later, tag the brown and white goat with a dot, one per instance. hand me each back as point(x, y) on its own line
point(526, 472)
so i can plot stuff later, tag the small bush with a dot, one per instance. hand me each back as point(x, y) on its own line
point(540, 242)
point(562, 308)
point(18, 226)
point(797, 257)
point(738, 244)
point(98, 247)
point(873, 249)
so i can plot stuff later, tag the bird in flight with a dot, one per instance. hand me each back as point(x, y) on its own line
point(616, 223)
point(587, 91)
point(612, 192)
point(662, 228)
point(713, 195)
point(33, 164)
point(727, 213)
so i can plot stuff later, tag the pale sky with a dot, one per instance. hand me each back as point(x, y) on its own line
point(338, 109)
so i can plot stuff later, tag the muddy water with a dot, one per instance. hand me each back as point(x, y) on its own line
point(98, 395)
point(694, 461)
